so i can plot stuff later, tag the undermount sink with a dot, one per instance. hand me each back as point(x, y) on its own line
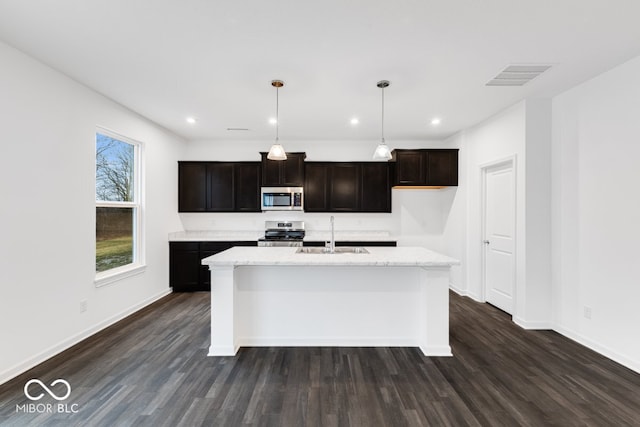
point(338, 250)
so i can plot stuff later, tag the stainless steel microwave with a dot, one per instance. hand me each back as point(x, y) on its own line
point(282, 198)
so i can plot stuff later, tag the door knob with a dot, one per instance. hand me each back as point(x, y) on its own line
point(486, 242)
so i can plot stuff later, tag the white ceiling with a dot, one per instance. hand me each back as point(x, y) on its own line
point(169, 59)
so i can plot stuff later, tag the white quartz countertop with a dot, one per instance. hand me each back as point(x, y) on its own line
point(287, 256)
point(208, 235)
point(311, 236)
point(350, 236)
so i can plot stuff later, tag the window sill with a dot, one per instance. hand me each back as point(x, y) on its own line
point(116, 274)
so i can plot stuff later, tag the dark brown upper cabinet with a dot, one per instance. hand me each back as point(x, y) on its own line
point(283, 173)
point(442, 167)
point(343, 186)
point(410, 167)
point(347, 187)
point(375, 187)
point(219, 186)
point(315, 187)
point(192, 187)
point(247, 186)
point(425, 167)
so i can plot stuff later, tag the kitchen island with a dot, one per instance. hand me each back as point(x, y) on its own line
point(391, 296)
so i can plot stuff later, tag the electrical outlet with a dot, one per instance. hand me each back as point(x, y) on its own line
point(587, 312)
point(83, 305)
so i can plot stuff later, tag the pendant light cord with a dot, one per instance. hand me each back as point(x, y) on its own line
point(277, 116)
point(382, 131)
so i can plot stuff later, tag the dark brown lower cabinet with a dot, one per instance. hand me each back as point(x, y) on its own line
point(184, 266)
point(186, 274)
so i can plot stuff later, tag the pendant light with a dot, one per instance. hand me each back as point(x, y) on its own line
point(276, 152)
point(382, 150)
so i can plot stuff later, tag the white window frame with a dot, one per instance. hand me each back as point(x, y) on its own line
point(138, 265)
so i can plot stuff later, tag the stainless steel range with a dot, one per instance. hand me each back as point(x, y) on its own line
point(282, 233)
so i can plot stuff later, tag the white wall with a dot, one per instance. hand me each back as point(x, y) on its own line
point(521, 133)
point(536, 311)
point(596, 207)
point(48, 212)
point(500, 137)
point(418, 217)
point(454, 235)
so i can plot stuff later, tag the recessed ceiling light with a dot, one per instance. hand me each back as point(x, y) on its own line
point(435, 121)
point(273, 121)
point(355, 121)
point(191, 120)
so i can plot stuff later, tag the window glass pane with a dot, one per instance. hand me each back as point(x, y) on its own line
point(114, 170)
point(114, 237)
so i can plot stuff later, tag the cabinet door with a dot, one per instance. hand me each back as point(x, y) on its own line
point(220, 187)
point(292, 170)
point(411, 167)
point(270, 171)
point(184, 266)
point(443, 167)
point(247, 187)
point(343, 186)
point(315, 187)
point(192, 187)
point(285, 173)
point(375, 195)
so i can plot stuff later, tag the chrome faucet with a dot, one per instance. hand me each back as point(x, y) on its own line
point(330, 246)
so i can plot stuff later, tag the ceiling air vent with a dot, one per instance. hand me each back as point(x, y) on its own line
point(517, 75)
point(237, 129)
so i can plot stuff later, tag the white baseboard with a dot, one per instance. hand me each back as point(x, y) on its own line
point(223, 350)
point(436, 351)
point(630, 363)
point(71, 341)
point(458, 291)
point(328, 342)
point(536, 325)
point(464, 293)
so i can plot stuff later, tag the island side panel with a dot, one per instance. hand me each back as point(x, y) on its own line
point(434, 335)
point(328, 306)
point(223, 313)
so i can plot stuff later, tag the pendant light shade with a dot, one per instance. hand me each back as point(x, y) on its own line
point(382, 150)
point(276, 152)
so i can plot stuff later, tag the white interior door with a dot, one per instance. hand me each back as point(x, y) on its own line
point(499, 236)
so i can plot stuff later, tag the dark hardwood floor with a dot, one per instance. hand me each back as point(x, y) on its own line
point(152, 369)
